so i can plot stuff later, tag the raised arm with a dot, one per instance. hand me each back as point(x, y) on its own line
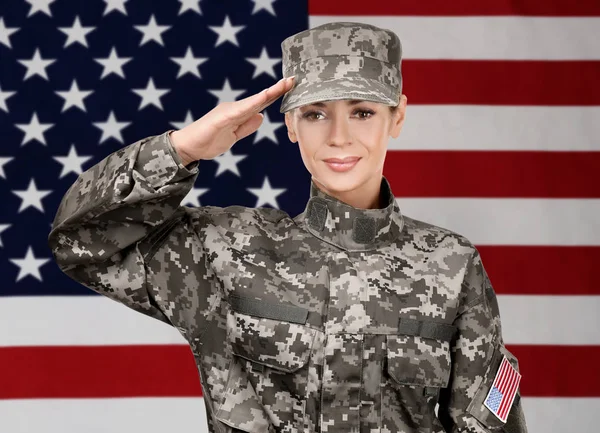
point(113, 218)
point(132, 194)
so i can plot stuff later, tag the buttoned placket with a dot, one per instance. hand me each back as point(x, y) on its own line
point(354, 232)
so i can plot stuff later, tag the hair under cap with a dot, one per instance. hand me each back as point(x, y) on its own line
point(342, 60)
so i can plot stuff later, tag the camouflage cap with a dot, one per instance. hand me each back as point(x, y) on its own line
point(342, 60)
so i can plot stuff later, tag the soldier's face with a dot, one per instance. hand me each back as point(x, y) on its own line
point(343, 129)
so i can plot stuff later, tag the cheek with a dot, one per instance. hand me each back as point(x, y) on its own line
point(309, 140)
point(373, 136)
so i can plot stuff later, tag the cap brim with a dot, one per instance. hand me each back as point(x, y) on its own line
point(358, 88)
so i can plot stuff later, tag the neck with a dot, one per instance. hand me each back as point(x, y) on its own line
point(367, 196)
point(351, 228)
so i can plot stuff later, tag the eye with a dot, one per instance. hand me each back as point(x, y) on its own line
point(311, 115)
point(367, 113)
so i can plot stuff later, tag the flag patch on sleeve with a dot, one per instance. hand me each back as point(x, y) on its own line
point(504, 389)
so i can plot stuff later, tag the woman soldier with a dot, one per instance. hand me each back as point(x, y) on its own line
point(350, 317)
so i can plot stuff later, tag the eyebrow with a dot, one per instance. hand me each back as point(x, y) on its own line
point(348, 102)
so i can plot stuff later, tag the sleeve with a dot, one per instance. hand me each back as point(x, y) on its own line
point(110, 221)
point(477, 352)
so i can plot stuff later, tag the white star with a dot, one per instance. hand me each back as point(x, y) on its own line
point(152, 31)
point(36, 65)
point(34, 130)
point(111, 128)
point(72, 162)
point(32, 196)
point(192, 196)
point(264, 4)
point(40, 6)
point(267, 194)
point(29, 265)
point(3, 162)
point(188, 119)
point(228, 161)
point(115, 5)
point(2, 228)
point(226, 94)
point(189, 63)
point(3, 97)
point(264, 63)
point(76, 33)
point(113, 64)
point(189, 5)
point(74, 97)
point(151, 95)
point(226, 32)
point(267, 130)
point(5, 33)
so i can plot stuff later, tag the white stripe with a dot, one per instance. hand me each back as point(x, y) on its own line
point(78, 320)
point(482, 127)
point(96, 320)
point(120, 415)
point(561, 415)
point(559, 320)
point(511, 221)
point(511, 38)
point(159, 415)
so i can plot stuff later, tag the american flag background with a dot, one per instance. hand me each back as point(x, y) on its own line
point(501, 144)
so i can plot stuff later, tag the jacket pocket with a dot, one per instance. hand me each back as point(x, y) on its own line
point(270, 335)
point(419, 354)
point(268, 374)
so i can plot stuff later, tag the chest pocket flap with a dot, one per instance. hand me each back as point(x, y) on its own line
point(269, 334)
point(419, 354)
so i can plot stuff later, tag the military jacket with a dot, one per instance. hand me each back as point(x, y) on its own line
point(337, 320)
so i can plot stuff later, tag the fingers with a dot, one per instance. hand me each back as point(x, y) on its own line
point(260, 101)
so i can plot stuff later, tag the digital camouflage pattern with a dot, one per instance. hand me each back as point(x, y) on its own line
point(337, 320)
point(342, 60)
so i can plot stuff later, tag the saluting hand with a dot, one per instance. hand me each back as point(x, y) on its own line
point(218, 130)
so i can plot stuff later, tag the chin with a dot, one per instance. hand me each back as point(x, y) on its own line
point(338, 182)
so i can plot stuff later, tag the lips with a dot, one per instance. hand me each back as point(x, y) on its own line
point(346, 160)
point(342, 164)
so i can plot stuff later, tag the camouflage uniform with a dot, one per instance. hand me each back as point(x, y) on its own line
point(338, 320)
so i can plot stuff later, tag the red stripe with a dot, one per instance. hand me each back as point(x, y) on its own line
point(508, 399)
point(169, 370)
point(98, 372)
point(558, 371)
point(501, 82)
point(500, 377)
point(524, 270)
point(509, 391)
point(493, 174)
point(456, 8)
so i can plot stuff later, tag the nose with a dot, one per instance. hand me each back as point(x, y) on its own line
point(339, 133)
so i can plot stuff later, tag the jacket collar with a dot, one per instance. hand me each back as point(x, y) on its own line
point(352, 228)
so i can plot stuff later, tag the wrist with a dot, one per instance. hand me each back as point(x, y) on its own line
point(177, 141)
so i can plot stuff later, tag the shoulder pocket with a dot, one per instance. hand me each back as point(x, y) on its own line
point(478, 409)
point(420, 353)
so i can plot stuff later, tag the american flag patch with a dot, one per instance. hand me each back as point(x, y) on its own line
point(504, 389)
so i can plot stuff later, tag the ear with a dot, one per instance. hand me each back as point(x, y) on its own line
point(290, 127)
point(398, 117)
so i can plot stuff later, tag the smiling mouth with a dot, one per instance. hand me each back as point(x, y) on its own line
point(346, 160)
point(341, 166)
